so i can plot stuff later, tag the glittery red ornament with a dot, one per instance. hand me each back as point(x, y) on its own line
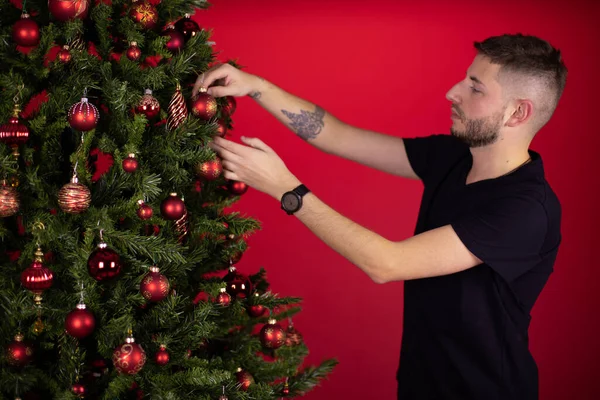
point(144, 211)
point(37, 277)
point(187, 26)
point(83, 116)
point(292, 336)
point(229, 107)
point(172, 207)
point(162, 356)
point(133, 52)
point(236, 187)
point(129, 358)
point(256, 310)
point(104, 263)
point(177, 111)
point(176, 40)
point(238, 286)
point(130, 163)
point(64, 55)
point(80, 322)
point(209, 170)
point(26, 31)
point(18, 352)
point(272, 335)
point(14, 133)
point(154, 286)
point(204, 106)
point(144, 14)
point(244, 378)
point(64, 10)
point(148, 105)
point(9, 200)
point(74, 197)
point(221, 128)
point(223, 298)
point(78, 389)
point(286, 388)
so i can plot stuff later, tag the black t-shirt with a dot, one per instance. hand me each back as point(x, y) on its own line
point(465, 334)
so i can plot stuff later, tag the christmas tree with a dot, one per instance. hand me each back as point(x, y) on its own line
point(123, 283)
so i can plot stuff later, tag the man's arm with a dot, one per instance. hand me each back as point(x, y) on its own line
point(312, 123)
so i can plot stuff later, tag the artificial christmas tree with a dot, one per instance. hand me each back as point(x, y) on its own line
point(101, 295)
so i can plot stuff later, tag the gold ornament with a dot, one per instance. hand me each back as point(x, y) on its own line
point(9, 200)
point(74, 197)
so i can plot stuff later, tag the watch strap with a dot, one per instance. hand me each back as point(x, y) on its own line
point(301, 190)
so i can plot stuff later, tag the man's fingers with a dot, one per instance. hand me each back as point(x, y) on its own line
point(225, 153)
point(207, 78)
point(257, 144)
point(230, 146)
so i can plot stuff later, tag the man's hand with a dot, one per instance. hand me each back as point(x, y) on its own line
point(256, 164)
point(228, 81)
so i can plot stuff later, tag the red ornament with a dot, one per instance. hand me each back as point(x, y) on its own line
point(133, 52)
point(18, 352)
point(238, 285)
point(177, 111)
point(256, 310)
point(162, 356)
point(26, 31)
point(104, 263)
point(148, 105)
point(78, 389)
point(223, 298)
point(144, 14)
point(64, 56)
point(80, 322)
point(144, 211)
point(14, 133)
point(292, 336)
point(37, 277)
point(272, 335)
point(129, 358)
point(229, 107)
point(187, 26)
point(245, 379)
point(210, 170)
point(172, 207)
point(221, 128)
point(74, 197)
point(204, 106)
point(176, 41)
point(9, 200)
point(155, 286)
point(236, 187)
point(83, 116)
point(286, 388)
point(64, 10)
point(130, 164)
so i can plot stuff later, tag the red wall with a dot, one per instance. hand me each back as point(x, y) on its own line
point(386, 66)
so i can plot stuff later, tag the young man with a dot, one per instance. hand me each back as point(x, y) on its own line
point(488, 229)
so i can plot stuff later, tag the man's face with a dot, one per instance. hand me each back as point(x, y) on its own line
point(477, 105)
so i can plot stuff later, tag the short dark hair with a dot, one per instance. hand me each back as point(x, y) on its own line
point(530, 57)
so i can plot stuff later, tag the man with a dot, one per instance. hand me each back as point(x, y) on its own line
point(488, 229)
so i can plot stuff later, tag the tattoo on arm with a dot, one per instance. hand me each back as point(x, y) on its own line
point(307, 124)
point(255, 95)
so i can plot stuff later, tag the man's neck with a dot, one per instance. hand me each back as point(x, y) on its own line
point(496, 160)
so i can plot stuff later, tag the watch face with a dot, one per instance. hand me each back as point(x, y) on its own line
point(290, 201)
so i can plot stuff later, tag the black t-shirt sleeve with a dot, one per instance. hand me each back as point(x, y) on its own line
point(431, 156)
point(507, 234)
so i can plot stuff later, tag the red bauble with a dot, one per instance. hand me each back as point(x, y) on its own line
point(80, 322)
point(272, 335)
point(154, 286)
point(229, 106)
point(209, 170)
point(144, 13)
point(83, 116)
point(133, 52)
point(187, 26)
point(18, 352)
point(245, 379)
point(26, 31)
point(172, 207)
point(64, 56)
point(78, 389)
point(129, 358)
point(162, 356)
point(176, 41)
point(238, 286)
point(236, 187)
point(104, 263)
point(37, 277)
point(74, 197)
point(148, 105)
point(221, 128)
point(292, 336)
point(14, 133)
point(223, 298)
point(204, 106)
point(9, 200)
point(64, 10)
point(256, 310)
point(130, 164)
point(145, 211)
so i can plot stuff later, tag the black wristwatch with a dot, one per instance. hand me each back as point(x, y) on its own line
point(292, 201)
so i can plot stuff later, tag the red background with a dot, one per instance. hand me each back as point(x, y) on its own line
point(386, 66)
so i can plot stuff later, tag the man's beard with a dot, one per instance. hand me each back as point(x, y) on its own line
point(479, 132)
